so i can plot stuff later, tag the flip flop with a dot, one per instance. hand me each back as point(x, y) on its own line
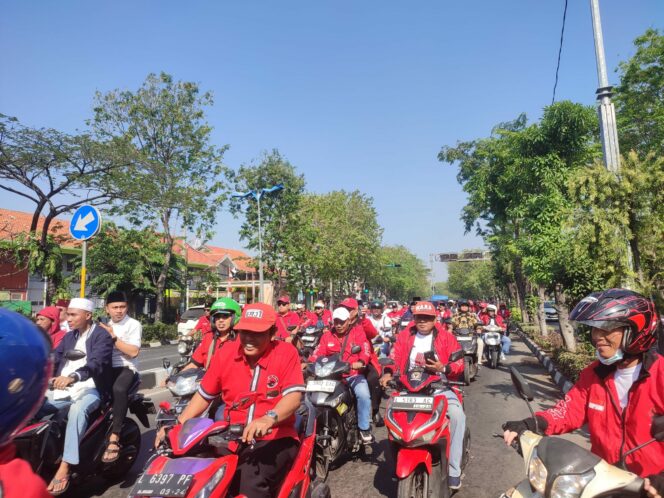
point(114, 452)
point(56, 482)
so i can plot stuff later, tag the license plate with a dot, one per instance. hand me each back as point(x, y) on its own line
point(462, 338)
point(413, 403)
point(325, 386)
point(166, 485)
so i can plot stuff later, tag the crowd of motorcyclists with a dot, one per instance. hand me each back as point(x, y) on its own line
point(257, 352)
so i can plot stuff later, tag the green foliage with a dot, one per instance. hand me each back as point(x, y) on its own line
point(472, 280)
point(571, 364)
point(159, 332)
point(400, 283)
point(444, 289)
point(639, 97)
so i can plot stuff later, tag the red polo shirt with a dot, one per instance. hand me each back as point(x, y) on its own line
point(276, 374)
point(203, 325)
point(16, 477)
point(284, 321)
point(199, 357)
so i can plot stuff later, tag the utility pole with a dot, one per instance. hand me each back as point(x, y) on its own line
point(606, 111)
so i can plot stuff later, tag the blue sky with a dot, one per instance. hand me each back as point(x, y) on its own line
point(356, 94)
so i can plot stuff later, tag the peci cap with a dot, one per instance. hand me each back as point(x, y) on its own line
point(80, 303)
point(62, 303)
point(341, 314)
point(257, 317)
point(349, 303)
point(424, 308)
point(116, 297)
point(491, 307)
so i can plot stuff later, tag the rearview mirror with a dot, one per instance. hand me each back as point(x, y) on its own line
point(521, 384)
point(166, 363)
point(657, 428)
point(456, 356)
point(74, 355)
point(385, 361)
point(355, 349)
point(448, 321)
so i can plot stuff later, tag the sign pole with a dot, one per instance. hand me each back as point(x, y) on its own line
point(83, 267)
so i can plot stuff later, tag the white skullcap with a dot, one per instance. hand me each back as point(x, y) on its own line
point(81, 303)
point(341, 314)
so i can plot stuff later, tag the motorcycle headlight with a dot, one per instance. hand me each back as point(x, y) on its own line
point(423, 439)
point(324, 369)
point(183, 386)
point(207, 490)
point(183, 347)
point(571, 486)
point(537, 473)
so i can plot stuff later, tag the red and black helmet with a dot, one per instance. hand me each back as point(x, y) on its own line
point(613, 308)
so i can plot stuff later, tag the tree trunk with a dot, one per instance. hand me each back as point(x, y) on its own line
point(541, 316)
point(163, 274)
point(35, 216)
point(634, 245)
point(521, 290)
point(566, 329)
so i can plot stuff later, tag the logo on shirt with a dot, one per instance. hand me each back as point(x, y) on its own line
point(324, 359)
point(272, 381)
point(254, 314)
point(595, 406)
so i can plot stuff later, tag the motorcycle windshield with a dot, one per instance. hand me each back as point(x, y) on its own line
point(191, 429)
point(417, 379)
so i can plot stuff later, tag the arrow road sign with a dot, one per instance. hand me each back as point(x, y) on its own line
point(85, 223)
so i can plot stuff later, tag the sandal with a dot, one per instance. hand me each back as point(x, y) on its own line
point(56, 482)
point(111, 454)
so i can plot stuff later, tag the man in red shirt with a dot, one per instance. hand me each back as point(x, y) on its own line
point(340, 340)
point(287, 320)
point(203, 324)
point(256, 363)
point(321, 317)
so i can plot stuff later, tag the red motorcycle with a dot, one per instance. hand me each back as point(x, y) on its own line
point(188, 463)
point(418, 429)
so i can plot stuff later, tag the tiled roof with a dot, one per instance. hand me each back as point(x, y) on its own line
point(212, 256)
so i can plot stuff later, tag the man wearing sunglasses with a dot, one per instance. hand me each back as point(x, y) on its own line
point(287, 320)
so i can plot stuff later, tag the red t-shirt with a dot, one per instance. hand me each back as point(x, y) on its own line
point(199, 357)
point(203, 325)
point(284, 321)
point(17, 479)
point(276, 374)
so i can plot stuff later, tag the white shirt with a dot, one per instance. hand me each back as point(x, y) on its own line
point(421, 345)
point(624, 378)
point(383, 324)
point(128, 331)
point(77, 389)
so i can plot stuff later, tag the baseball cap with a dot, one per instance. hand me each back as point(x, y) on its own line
point(376, 304)
point(319, 304)
point(424, 308)
point(340, 314)
point(257, 317)
point(349, 303)
point(283, 299)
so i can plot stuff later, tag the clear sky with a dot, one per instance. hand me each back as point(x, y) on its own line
point(357, 94)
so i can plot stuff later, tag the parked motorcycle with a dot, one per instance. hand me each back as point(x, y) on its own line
point(336, 414)
point(41, 442)
point(418, 429)
point(468, 341)
point(492, 345)
point(557, 467)
point(199, 459)
point(182, 384)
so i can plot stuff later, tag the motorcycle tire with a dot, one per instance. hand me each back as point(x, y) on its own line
point(325, 456)
point(467, 366)
point(466, 449)
point(130, 439)
point(493, 362)
point(416, 485)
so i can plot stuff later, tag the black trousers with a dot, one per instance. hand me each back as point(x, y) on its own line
point(123, 378)
point(374, 388)
point(262, 469)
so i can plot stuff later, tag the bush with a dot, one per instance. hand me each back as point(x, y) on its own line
point(515, 314)
point(571, 364)
point(162, 332)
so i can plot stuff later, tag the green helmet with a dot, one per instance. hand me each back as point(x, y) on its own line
point(226, 304)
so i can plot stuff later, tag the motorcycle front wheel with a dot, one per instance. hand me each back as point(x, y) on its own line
point(494, 359)
point(327, 454)
point(416, 485)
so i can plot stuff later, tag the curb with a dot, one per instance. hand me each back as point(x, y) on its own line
point(560, 380)
point(152, 378)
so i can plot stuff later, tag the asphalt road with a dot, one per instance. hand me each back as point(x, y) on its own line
point(150, 358)
point(492, 468)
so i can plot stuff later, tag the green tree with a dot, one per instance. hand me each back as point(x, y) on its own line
point(278, 211)
point(401, 282)
point(639, 97)
point(176, 175)
point(443, 288)
point(471, 280)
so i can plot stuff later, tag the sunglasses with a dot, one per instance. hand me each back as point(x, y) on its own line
point(223, 314)
point(279, 303)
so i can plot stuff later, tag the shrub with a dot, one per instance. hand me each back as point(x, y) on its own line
point(515, 314)
point(162, 332)
point(571, 364)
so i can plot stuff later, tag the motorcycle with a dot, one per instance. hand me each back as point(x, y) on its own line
point(199, 459)
point(493, 347)
point(187, 344)
point(309, 339)
point(418, 429)
point(559, 468)
point(41, 442)
point(182, 384)
point(336, 413)
point(468, 341)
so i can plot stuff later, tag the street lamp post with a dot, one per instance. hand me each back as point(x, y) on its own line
point(257, 194)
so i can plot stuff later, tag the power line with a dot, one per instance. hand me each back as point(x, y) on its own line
point(560, 51)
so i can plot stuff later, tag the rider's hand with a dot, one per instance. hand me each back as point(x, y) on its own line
point(159, 436)
point(435, 366)
point(385, 379)
point(289, 339)
point(654, 486)
point(509, 437)
point(257, 428)
point(62, 382)
point(357, 365)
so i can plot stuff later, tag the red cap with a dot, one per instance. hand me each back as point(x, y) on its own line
point(349, 303)
point(424, 308)
point(284, 299)
point(62, 303)
point(257, 317)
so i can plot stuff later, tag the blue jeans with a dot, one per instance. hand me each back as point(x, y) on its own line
point(77, 422)
point(457, 430)
point(360, 387)
point(506, 342)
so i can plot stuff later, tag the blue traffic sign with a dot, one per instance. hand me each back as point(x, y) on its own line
point(85, 223)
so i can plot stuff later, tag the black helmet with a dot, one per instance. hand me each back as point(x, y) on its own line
point(462, 302)
point(376, 305)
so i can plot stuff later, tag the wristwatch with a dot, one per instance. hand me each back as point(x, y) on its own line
point(273, 414)
point(114, 339)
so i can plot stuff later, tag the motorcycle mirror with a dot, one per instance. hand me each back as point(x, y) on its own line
point(166, 363)
point(456, 356)
point(657, 428)
point(355, 349)
point(385, 361)
point(521, 384)
point(74, 354)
